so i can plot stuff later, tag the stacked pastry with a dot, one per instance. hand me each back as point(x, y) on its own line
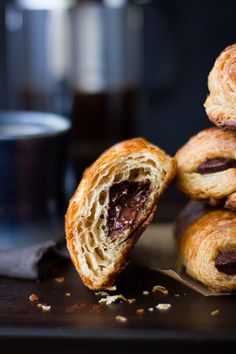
point(206, 172)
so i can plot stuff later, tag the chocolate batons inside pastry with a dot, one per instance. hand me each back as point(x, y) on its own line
point(207, 244)
point(206, 167)
point(113, 204)
point(220, 105)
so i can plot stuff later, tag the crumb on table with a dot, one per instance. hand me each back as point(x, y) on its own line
point(145, 292)
point(163, 307)
point(102, 293)
point(119, 318)
point(215, 312)
point(109, 299)
point(46, 308)
point(140, 311)
point(33, 298)
point(159, 288)
point(59, 280)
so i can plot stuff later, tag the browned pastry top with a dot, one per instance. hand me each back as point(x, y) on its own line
point(221, 102)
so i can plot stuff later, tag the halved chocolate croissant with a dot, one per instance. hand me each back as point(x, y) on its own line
point(207, 244)
point(206, 167)
point(113, 204)
point(220, 105)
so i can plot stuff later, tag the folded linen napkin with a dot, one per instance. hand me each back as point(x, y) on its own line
point(33, 261)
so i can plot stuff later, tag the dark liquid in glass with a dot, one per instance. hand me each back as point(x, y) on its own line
point(100, 120)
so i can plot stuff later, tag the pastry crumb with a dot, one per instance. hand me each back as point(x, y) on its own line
point(59, 280)
point(101, 293)
point(67, 294)
point(33, 298)
point(151, 309)
point(109, 299)
point(177, 295)
point(46, 308)
point(146, 292)
point(111, 288)
point(215, 312)
point(163, 306)
point(39, 305)
point(140, 311)
point(159, 288)
point(119, 318)
point(131, 301)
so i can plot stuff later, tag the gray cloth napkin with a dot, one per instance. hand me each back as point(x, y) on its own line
point(31, 262)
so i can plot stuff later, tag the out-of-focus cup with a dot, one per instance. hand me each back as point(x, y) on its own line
point(33, 153)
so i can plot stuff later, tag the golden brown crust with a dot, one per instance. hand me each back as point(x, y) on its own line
point(221, 102)
point(98, 259)
point(215, 187)
point(201, 236)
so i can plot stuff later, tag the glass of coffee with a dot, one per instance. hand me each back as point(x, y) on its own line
point(32, 177)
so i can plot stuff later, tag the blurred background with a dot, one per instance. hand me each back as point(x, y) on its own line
point(117, 68)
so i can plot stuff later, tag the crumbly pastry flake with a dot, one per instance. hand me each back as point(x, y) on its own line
point(59, 280)
point(215, 312)
point(109, 299)
point(160, 288)
point(140, 311)
point(146, 292)
point(46, 308)
point(101, 293)
point(163, 307)
point(33, 298)
point(121, 319)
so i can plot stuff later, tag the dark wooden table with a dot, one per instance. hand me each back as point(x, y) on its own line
point(79, 324)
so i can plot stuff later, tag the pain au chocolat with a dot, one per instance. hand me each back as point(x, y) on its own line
point(207, 244)
point(206, 167)
point(220, 105)
point(113, 204)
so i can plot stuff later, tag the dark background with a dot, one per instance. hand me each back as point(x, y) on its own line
point(181, 40)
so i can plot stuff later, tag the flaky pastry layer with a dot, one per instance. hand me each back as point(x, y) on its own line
point(216, 187)
point(97, 256)
point(220, 105)
point(202, 234)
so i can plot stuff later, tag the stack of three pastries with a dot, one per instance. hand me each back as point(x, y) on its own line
point(118, 195)
point(206, 172)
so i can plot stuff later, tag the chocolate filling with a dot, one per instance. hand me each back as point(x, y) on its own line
point(216, 165)
point(125, 202)
point(226, 262)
